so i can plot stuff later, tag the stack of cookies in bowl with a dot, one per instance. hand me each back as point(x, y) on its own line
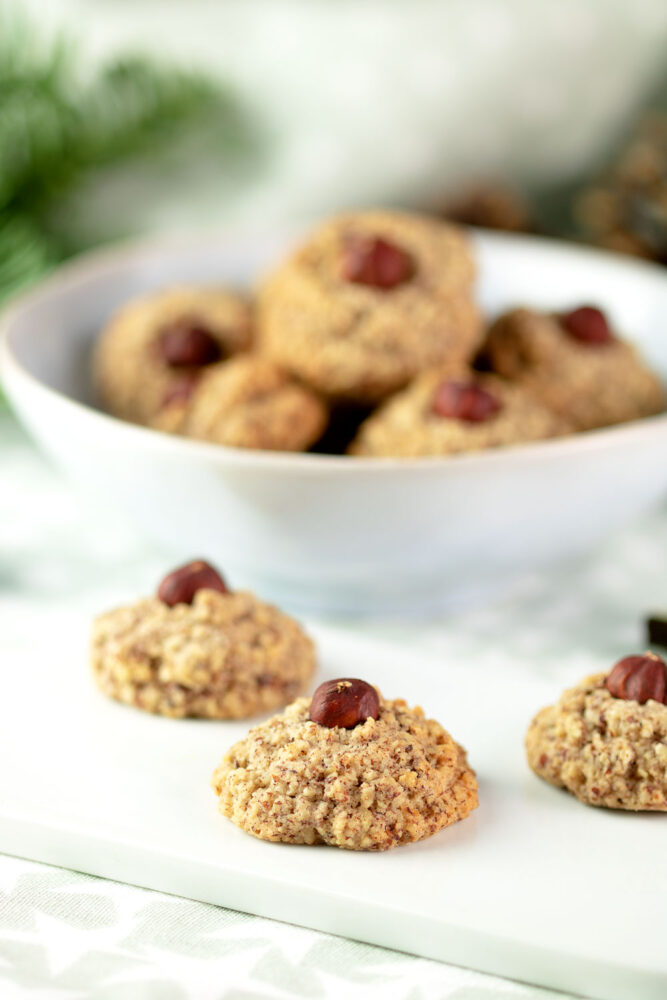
point(367, 340)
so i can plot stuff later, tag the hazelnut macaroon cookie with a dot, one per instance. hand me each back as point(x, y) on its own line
point(453, 410)
point(605, 740)
point(246, 402)
point(575, 364)
point(154, 347)
point(199, 649)
point(347, 768)
point(370, 300)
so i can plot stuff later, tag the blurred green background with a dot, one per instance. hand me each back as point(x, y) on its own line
point(122, 118)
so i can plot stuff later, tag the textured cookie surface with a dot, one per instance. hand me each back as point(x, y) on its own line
point(350, 340)
point(132, 377)
point(607, 751)
point(389, 781)
point(225, 656)
point(408, 425)
point(591, 385)
point(246, 402)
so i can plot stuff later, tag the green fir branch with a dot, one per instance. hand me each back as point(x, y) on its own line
point(58, 126)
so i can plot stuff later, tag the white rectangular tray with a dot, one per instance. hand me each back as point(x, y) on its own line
point(532, 886)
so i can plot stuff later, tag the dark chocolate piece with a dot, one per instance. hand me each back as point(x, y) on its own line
point(656, 630)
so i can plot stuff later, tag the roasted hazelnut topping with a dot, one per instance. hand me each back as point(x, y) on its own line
point(587, 325)
point(180, 390)
point(180, 586)
point(186, 344)
point(344, 703)
point(465, 401)
point(639, 678)
point(375, 262)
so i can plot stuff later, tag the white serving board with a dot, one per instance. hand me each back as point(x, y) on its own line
point(533, 886)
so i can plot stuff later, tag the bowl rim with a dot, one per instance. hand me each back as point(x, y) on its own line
point(87, 265)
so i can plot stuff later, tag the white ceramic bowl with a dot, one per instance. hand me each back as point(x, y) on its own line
point(326, 533)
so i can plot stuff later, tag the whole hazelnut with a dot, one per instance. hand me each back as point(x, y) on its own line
point(181, 585)
point(376, 262)
point(465, 401)
point(187, 344)
point(588, 325)
point(344, 703)
point(639, 678)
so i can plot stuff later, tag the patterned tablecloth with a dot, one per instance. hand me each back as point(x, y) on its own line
point(73, 936)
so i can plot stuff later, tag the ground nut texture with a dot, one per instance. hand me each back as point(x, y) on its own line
point(386, 782)
point(407, 425)
point(589, 385)
point(605, 750)
point(247, 402)
point(131, 376)
point(225, 656)
point(360, 342)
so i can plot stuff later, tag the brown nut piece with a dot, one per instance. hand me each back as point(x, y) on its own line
point(180, 586)
point(344, 703)
point(588, 325)
point(188, 345)
point(375, 262)
point(639, 678)
point(181, 389)
point(468, 401)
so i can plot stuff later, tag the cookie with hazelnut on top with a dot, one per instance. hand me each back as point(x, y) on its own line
point(369, 300)
point(156, 347)
point(576, 364)
point(348, 768)
point(455, 409)
point(605, 740)
point(199, 649)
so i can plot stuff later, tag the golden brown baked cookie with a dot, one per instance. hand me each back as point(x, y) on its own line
point(383, 782)
point(574, 364)
point(607, 749)
point(198, 649)
point(370, 300)
point(153, 345)
point(246, 402)
point(451, 410)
